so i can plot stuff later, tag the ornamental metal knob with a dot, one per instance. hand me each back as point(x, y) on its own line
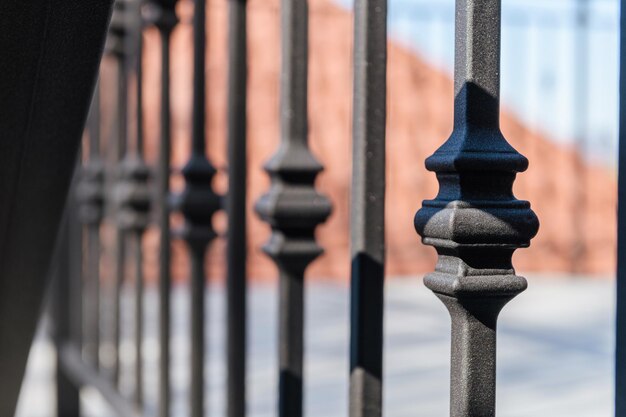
point(90, 192)
point(133, 195)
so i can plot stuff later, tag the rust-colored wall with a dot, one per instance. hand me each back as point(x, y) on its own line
point(419, 120)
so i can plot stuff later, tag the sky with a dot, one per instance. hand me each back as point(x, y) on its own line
point(555, 85)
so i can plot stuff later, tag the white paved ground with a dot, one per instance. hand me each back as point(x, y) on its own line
point(555, 353)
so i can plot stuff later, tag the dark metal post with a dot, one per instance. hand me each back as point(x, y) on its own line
point(198, 202)
point(236, 208)
point(292, 207)
point(163, 14)
point(117, 46)
point(67, 393)
point(475, 222)
point(69, 311)
point(368, 208)
point(132, 194)
point(620, 355)
point(90, 200)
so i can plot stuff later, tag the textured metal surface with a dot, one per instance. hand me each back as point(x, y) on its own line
point(162, 13)
point(368, 208)
point(292, 207)
point(620, 340)
point(198, 203)
point(475, 222)
point(236, 208)
point(90, 205)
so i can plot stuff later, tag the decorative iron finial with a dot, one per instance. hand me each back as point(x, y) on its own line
point(117, 45)
point(162, 14)
point(132, 192)
point(292, 206)
point(475, 222)
point(198, 203)
point(133, 195)
point(118, 30)
point(90, 192)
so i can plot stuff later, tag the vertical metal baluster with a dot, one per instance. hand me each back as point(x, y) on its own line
point(139, 292)
point(475, 222)
point(368, 208)
point(198, 202)
point(68, 395)
point(90, 199)
point(132, 193)
point(141, 225)
point(162, 13)
point(236, 206)
point(620, 340)
point(69, 311)
point(164, 229)
point(117, 46)
point(292, 207)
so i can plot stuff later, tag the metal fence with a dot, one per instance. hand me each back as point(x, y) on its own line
point(475, 223)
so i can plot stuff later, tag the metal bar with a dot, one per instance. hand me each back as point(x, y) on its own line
point(368, 208)
point(236, 207)
point(80, 373)
point(199, 83)
point(90, 201)
point(197, 250)
point(139, 293)
point(93, 243)
point(138, 56)
point(292, 207)
point(140, 206)
point(620, 339)
point(93, 123)
point(131, 192)
point(77, 287)
point(164, 228)
point(291, 342)
point(162, 13)
point(117, 45)
point(475, 222)
point(197, 331)
point(198, 202)
point(120, 250)
point(93, 230)
point(67, 393)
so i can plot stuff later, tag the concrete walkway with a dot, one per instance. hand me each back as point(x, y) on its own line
point(555, 353)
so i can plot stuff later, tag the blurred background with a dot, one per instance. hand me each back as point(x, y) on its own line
point(559, 109)
point(559, 87)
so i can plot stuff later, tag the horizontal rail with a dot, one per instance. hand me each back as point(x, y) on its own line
point(83, 374)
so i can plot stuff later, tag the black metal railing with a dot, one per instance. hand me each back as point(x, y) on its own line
point(475, 223)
